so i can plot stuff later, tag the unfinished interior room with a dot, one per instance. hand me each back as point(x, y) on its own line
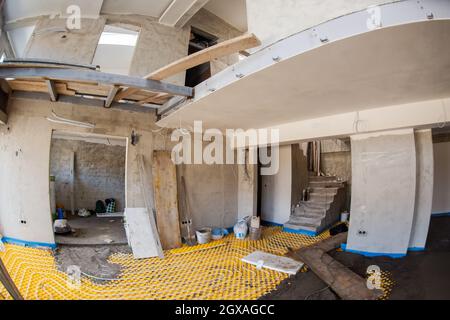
point(225, 150)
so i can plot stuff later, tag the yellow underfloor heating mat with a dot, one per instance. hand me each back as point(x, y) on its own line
point(212, 271)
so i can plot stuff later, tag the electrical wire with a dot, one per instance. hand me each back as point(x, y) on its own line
point(317, 292)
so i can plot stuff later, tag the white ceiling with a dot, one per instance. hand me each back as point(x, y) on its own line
point(232, 11)
point(152, 8)
point(389, 66)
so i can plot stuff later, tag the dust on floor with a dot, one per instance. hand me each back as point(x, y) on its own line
point(420, 275)
point(92, 260)
point(212, 271)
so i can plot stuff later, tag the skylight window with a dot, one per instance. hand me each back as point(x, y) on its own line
point(118, 39)
point(115, 50)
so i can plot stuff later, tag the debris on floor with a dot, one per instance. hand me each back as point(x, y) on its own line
point(210, 271)
point(347, 284)
point(273, 262)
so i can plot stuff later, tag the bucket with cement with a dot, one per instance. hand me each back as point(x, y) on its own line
point(255, 233)
point(203, 235)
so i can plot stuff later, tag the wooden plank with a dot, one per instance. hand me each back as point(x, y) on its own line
point(39, 86)
point(166, 200)
point(222, 49)
point(79, 75)
point(146, 178)
point(159, 98)
point(111, 95)
point(3, 117)
point(140, 233)
point(273, 262)
point(52, 90)
point(8, 283)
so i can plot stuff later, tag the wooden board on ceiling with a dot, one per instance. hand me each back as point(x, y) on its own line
point(166, 200)
point(219, 50)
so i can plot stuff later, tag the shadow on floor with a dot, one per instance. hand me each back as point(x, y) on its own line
point(419, 276)
point(94, 231)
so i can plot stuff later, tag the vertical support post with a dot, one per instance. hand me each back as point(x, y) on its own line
point(72, 183)
point(247, 189)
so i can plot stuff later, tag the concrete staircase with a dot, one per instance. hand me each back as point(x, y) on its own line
point(326, 201)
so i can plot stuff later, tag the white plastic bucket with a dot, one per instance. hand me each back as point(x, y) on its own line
point(344, 216)
point(203, 235)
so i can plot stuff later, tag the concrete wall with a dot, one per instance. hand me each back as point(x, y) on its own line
point(424, 189)
point(99, 173)
point(383, 192)
point(25, 157)
point(272, 20)
point(441, 194)
point(336, 160)
point(157, 45)
point(212, 194)
point(282, 191)
point(212, 189)
point(50, 41)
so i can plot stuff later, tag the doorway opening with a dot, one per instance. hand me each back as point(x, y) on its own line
point(87, 188)
point(199, 41)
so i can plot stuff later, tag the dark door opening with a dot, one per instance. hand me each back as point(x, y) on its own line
point(199, 41)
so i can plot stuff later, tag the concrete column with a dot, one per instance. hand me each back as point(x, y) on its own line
point(383, 193)
point(247, 190)
point(424, 189)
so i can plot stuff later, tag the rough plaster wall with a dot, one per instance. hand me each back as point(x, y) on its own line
point(212, 194)
point(424, 189)
point(336, 160)
point(441, 194)
point(99, 173)
point(383, 192)
point(25, 159)
point(75, 46)
point(277, 189)
point(212, 191)
point(158, 46)
point(272, 20)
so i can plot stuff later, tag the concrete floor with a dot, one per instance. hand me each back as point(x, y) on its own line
point(94, 231)
point(419, 276)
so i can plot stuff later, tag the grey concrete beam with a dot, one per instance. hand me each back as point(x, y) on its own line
point(95, 77)
point(111, 95)
point(180, 12)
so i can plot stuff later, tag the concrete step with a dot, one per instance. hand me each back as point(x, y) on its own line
point(327, 178)
point(309, 220)
point(321, 197)
point(307, 227)
point(324, 190)
point(326, 184)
